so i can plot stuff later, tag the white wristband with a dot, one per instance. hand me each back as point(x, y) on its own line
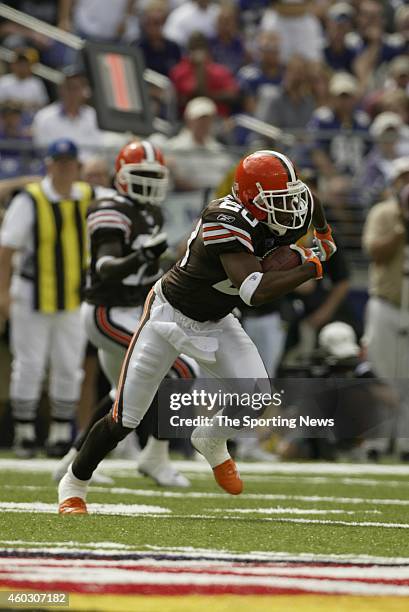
point(249, 285)
point(101, 262)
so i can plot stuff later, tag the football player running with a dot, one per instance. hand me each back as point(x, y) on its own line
point(126, 239)
point(189, 309)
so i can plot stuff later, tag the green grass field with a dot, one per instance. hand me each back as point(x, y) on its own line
point(294, 512)
point(299, 514)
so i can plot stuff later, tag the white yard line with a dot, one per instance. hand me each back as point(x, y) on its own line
point(206, 495)
point(159, 512)
point(123, 509)
point(283, 510)
point(347, 469)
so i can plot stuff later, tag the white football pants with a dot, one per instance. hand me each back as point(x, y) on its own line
point(388, 352)
point(40, 340)
point(221, 348)
point(111, 330)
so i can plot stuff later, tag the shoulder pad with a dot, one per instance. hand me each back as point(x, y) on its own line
point(228, 211)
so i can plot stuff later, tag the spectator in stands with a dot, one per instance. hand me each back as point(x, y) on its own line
point(375, 46)
point(395, 101)
point(197, 75)
point(189, 17)
point(227, 45)
point(15, 160)
point(69, 117)
point(291, 106)
point(320, 76)
point(95, 171)
point(342, 145)
point(21, 85)
point(196, 159)
point(14, 35)
point(402, 25)
point(160, 53)
point(338, 54)
point(399, 73)
point(298, 26)
point(266, 70)
point(99, 20)
point(385, 131)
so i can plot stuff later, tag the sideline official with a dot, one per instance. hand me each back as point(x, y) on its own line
point(42, 265)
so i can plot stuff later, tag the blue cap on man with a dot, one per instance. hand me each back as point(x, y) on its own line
point(63, 147)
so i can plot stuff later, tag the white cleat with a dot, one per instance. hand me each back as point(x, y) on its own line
point(164, 474)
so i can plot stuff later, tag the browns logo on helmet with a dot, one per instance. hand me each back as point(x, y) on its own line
point(266, 183)
point(141, 173)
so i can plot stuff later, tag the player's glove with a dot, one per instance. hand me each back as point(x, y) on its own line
point(325, 244)
point(154, 247)
point(309, 256)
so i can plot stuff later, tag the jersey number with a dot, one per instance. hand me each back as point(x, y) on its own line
point(238, 208)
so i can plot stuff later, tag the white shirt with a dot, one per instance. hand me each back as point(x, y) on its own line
point(51, 123)
point(30, 91)
point(189, 18)
point(100, 19)
point(204, 166)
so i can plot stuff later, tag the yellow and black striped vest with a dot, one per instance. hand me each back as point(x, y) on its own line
point(60, 244)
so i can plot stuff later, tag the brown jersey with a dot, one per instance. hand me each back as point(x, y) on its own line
point(114, 218)
point(197, 285)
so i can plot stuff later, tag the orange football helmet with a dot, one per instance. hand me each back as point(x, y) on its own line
point(141, 173)
point(266, 183)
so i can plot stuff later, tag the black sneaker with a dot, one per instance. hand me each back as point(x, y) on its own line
point(25, 448)
point(57, 449)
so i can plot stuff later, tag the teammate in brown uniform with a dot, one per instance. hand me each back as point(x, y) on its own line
point(189, 309)
point(125, 235)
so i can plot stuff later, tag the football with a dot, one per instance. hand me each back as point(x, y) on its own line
point(280, 258)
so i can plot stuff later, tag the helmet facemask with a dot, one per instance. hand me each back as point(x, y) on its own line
point(286, 209)
point(146, 182)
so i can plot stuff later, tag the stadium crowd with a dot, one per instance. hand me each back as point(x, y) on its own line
point(333, 76)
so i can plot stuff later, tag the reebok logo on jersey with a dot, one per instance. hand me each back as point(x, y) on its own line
point(226, 218)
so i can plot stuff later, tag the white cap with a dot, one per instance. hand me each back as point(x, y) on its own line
point(385, 121)
point(200, 107)
point(399, 166)
point(340, 10)
point(339, 340)
point(343, 83)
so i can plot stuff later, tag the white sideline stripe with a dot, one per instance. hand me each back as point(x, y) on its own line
point(247, 496)
point(192, 554)
point(123, 509)
point(374, 573)
point(119, 576)
point(346, 469)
